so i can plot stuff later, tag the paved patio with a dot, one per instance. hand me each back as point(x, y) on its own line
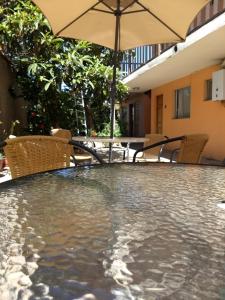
point(5, 175)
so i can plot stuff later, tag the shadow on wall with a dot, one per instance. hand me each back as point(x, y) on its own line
point(12, 105)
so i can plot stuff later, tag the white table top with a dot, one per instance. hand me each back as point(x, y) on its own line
point(123, 139)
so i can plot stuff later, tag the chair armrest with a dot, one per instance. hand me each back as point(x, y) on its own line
point(92, 152)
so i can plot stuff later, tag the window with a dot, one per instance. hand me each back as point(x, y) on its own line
point(182, 103)
point(208, 89)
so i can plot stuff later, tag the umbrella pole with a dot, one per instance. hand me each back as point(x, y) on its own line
point(113, 86)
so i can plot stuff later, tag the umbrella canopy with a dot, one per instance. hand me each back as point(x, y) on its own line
point(142, 22)
point(121, 24)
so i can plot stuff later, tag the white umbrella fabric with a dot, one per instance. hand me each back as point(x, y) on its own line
point(121, 24)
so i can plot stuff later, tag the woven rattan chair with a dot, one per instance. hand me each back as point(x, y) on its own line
point(61, 133)
point(152, 154)
point(79, 156)
point(33, 154)
point(190, 150)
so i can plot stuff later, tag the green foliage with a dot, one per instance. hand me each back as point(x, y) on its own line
point(66, 82)
point(5, 134)
point(13, 126)
point(106, 130)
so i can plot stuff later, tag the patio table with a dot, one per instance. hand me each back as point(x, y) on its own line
point(115, 231)
point(127, 140)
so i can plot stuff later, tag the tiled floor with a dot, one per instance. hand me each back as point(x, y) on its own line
point(5, 175)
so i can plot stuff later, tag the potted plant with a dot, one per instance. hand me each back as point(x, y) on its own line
point(2, 161)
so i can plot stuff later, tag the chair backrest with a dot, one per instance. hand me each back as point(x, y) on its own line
point(63, 133)
point(33, 154)
point(152, 139)
point(191, 148)
point(79, 155)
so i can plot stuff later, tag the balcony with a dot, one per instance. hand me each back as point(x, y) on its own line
point(137, 57)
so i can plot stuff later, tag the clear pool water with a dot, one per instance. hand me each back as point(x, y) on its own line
point(125, 231)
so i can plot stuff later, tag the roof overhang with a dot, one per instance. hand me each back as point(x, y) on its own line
point(203, 48)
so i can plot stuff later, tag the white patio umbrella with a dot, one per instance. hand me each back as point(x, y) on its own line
point(121, 24)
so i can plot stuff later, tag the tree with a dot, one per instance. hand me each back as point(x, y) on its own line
point(66, 82)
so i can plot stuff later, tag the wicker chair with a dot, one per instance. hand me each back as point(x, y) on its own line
point(33, 154)
point(190, 150)
point(61, 133)
point(79, 156)
point(152, 154)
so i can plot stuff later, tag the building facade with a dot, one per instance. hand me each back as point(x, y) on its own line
point(177, 85)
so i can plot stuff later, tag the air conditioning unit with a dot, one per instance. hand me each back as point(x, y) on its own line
point(218, 85)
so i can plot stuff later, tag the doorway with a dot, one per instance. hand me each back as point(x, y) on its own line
point(131, 119)
point(159, 114)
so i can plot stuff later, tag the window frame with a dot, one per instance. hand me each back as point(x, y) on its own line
point(180, 113)
point(208, 89)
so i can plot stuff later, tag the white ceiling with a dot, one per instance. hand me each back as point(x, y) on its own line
point(203, 48)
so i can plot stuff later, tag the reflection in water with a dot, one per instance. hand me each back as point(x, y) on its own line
point(121, 232)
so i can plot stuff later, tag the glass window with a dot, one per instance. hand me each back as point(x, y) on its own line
point(182, 103)
point(208, 89)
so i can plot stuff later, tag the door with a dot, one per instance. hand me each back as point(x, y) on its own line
point(131, 119)
point(159, 114)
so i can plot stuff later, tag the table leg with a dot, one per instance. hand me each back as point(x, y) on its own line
point(110, 153)
point(128, 148)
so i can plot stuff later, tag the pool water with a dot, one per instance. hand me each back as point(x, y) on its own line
point(125, 231)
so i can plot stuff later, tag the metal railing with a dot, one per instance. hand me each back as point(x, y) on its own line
point(137, 57)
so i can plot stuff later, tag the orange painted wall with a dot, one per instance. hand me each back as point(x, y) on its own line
point(206, 116)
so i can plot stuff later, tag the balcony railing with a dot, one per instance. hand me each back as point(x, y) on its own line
point(137, 57)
